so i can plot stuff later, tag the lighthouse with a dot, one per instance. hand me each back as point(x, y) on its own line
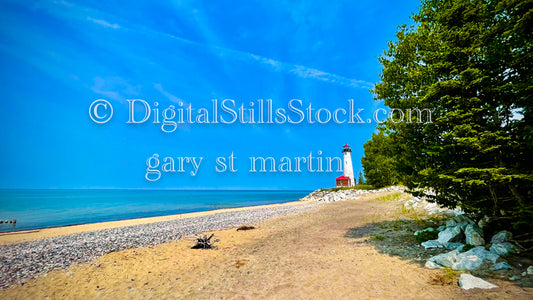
point(348, 167)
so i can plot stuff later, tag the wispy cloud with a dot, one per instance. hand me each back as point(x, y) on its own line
point(171, 97)
point(267, 61)
point(297, 70)
point(306, 72)
point(300, 71)
point(103, 23)
point(95, 16)
point(182, 126)
point(115, 88)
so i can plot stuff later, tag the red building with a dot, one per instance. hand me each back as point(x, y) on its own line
point(343, 181)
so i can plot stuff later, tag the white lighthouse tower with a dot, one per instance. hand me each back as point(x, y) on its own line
point(348, 167)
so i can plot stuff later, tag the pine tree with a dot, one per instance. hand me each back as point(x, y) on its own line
point(470, 62)
point(378, 162)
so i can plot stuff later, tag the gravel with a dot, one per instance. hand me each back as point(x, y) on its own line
point(24, 261)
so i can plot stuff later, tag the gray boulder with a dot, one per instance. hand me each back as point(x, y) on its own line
point(502, 249)
point(529, 270)
point(432, 265)
point(451, 234)
point(470, 262)
point(432, 244)
point(452, 246)
point(473, 259)
point(467, 281)
point(451, 223)
point(474, 235)
point(462, 219)
point(445, 259)
point(502, 237)
point(459, 220)
point(501, 266)
point(483, 253)
point(463, 225)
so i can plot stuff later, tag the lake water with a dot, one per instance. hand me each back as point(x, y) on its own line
point(36, 209)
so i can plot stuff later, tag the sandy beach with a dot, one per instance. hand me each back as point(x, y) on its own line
point(7, 238)
point(307, 254)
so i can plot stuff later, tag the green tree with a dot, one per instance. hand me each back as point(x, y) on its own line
point(360, 179)
point(378, 162)
point(470, 62)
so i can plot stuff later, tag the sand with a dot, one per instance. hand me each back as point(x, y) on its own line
point(297, 256)
point(7, 238)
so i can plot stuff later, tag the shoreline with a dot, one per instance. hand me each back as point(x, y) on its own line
point(296, 249)
point(63, 247)
point(15, 237)
point(314, 251)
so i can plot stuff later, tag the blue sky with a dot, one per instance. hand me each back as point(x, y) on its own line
point(58, 57)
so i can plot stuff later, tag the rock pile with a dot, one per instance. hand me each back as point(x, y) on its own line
point(461, 231)
point(431, 207)
point(470, 251)
point(327, 196)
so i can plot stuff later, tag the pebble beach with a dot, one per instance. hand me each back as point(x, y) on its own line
point(27, 260)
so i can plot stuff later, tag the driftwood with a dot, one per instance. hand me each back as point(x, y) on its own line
point(245, 228)
point(203, 241)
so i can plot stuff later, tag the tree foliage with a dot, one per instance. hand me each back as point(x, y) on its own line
point(471, 63)
point(378, 161)
point(360, 179)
